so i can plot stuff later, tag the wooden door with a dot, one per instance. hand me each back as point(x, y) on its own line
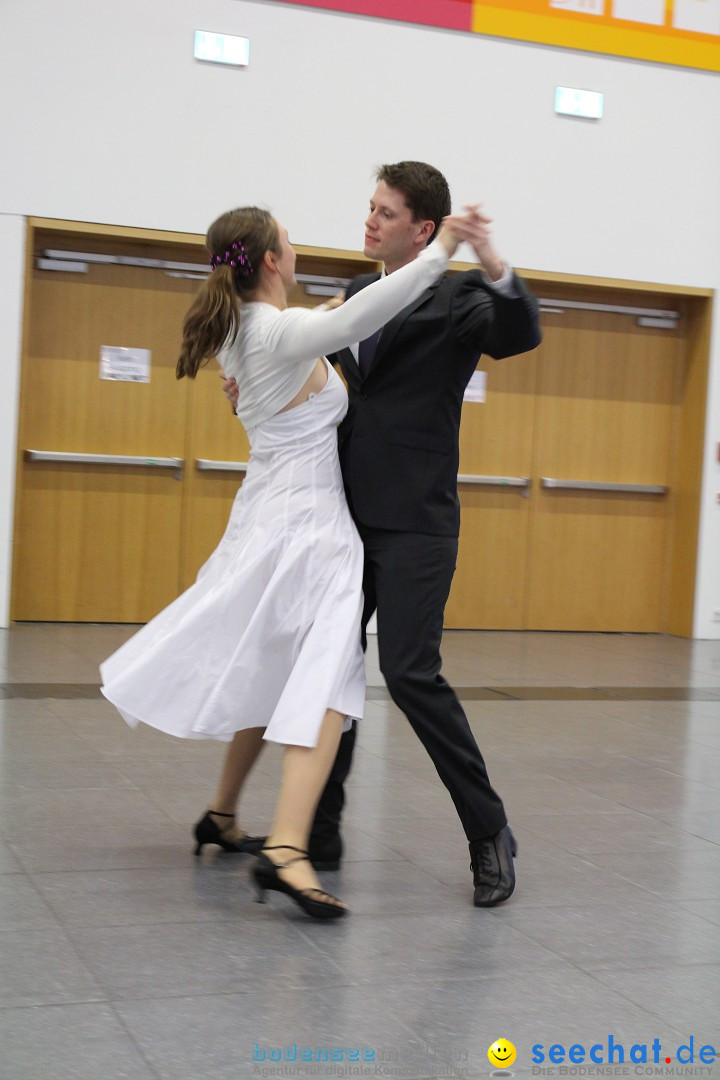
point(597, 403)
point(496, 443)
point(97, 542)
point(606, 415)
point(602, 401)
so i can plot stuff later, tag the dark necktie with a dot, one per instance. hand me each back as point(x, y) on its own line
point(366, 352)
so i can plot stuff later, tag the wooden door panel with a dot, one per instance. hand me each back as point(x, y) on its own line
point(489, 585)
point(607, 392)
point(96, 544)
point(66, 402)
point(597, 562)
point(93, 542)
point(496, 439)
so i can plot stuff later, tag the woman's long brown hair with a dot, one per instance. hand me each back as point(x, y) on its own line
point(214, 317)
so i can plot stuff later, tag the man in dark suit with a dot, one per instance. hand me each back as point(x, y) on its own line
point(399, 456)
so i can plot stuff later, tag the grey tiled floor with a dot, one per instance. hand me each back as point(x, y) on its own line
point(123, 956)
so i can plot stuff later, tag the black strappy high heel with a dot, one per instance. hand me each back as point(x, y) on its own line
point(265, 874)
point(208, 831)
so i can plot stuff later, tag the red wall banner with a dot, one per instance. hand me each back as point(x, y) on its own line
point(453, 14)
point(679, 32)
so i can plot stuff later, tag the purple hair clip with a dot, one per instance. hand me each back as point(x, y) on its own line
point(236, 258)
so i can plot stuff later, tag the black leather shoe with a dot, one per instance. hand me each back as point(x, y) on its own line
point(314, 902)
point(326, 852)
point(491, 862)
point(207, 831)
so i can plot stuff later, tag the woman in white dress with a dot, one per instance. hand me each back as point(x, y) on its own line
point(266, 643)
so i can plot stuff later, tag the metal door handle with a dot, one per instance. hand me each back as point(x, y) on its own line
point(598, 485)
point(105, 459)
point(208, 465)
point(494, 481)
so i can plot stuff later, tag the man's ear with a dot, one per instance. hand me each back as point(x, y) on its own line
point(425, 230)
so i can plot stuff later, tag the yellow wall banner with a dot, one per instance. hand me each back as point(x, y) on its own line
point(681, 32)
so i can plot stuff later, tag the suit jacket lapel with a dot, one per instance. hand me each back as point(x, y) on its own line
point(350, 368)
point(348, 362)
point(391, 329)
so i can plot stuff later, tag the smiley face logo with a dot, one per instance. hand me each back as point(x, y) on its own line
point(502, 1054)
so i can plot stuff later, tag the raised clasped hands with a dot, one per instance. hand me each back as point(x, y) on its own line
point(473, 227)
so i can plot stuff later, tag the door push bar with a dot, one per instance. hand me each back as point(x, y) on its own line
point(599, 485)
point(105, 459)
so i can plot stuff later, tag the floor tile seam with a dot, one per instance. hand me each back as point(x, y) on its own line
point(645, 723)
point(540, 771)
point(411, 861)
point(539, 814)
point(636, 1004)
point(100, 999)
point(655, 815)
point(231, 871)
point(144, 996)
point(568, 968)
point(668, 740)
point(706, 788)
point(594, 905)
point(659, 854)
point(17, 850)
point(46, 907)
point(646, 888)
point(658, 849)
point(504, 914)
point(618, 801)
point(52, 927)
point(683, 901)
point(677, 965)
point(665, 964)
point(396, 853)
point(612, 964)
point(103, 869)
point(167, 818)
point(421, 1038)
point(57, 1004)
point(543, 907)
point(58, 927)
point(77, 930)
point(112, 785)
point(440, 979)
point(128, 1032)
point(664, 768)
point(607, 779)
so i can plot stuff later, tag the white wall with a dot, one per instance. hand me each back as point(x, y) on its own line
point(106, 117)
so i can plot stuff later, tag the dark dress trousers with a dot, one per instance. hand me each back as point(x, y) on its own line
point(399, 456)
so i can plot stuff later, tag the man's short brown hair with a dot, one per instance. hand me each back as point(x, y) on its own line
point(423, 187)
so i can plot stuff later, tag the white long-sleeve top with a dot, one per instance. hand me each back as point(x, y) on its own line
point(275, 351)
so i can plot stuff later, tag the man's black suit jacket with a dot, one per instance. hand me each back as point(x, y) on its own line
point(399, 441)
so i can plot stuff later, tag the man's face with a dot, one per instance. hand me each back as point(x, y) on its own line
point(391, 235)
